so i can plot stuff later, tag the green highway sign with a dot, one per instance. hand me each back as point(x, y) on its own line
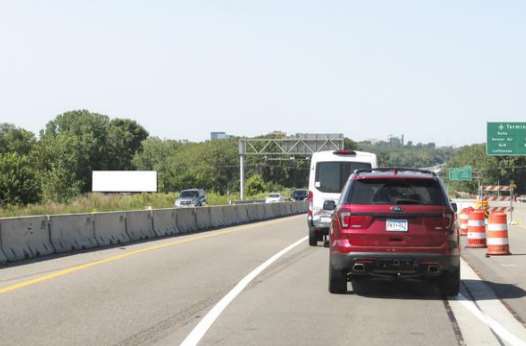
point(506, 138)
point(461, 173)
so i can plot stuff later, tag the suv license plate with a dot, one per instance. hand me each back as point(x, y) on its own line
point(392, 225)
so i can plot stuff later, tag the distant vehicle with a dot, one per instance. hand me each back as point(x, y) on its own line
point(329, 171)
point(274, 197)
point(394, 223)
point(299, 195)
point(191, 198)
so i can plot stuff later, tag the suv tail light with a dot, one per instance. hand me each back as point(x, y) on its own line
point(345, 218)
point(449, 219)
point(350, 221)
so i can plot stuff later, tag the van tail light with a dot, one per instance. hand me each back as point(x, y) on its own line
point(345, 218)
point(310, 199)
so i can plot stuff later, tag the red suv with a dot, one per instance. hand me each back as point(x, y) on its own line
point(394, 223)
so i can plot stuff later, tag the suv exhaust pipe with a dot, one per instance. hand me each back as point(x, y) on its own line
point(432, 269)
point(358, 267)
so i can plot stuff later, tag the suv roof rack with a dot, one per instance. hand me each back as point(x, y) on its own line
point(395, 170)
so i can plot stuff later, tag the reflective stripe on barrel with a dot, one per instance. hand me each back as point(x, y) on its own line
point(497, 232)
point(463, 220)
point(476, 229)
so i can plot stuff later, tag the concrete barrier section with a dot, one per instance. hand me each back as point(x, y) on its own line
point(139, 225)
point(3, 257)
point(110, 229)
point(241, 213)
point(202, 217)
point(268, 211)
point(217, 218)
point(165, 222)
point(229, 215)
point(275, 209)
point(25, 238)
point(186, 221)
point(72, 232)
point(283, 209)
point(289, 208)
point(252, 212)
point(29, 237)
point(260, 210)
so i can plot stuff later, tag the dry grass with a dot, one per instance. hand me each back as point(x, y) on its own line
point(96, 202)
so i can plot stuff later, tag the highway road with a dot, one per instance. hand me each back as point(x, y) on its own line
point(162, 292)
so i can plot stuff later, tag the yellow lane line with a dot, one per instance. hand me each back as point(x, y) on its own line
point(74, 269)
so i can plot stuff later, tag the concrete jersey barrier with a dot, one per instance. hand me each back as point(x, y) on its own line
point(165, 222)
point(202, 218)
point(186, 221)
point(252, 212)
point(217, 218)
point(110, 228)
point(25, 238)
point(242, 214)
point(229, 215)
point(3, 257)
point(30, 237)
point(139, 225)
point(72, 232)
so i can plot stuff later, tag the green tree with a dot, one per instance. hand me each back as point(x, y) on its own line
point(157, 154)
point(124, 138)
point(94, 142)
point(255, 184)
point(15, 140)
point(18, 181)
point(59, 159)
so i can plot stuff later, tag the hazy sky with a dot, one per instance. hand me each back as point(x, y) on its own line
point(432, 70)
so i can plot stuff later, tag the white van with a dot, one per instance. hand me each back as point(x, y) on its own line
point(329, 171)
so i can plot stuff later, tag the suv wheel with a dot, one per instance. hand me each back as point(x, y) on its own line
point(449, 283)
point(337, 281)
point(313, 238)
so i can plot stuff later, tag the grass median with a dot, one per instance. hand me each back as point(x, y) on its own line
point(98, 202)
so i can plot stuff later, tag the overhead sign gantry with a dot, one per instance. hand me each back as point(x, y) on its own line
point(284, 148)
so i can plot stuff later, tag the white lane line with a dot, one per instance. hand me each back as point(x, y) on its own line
point(202, 327)
point(488, 309)
point(502, 332)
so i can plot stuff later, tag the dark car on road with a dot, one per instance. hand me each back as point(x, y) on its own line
point(394, 224)
point(299, 194)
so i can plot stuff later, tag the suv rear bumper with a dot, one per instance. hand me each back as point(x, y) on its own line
point(406, 265)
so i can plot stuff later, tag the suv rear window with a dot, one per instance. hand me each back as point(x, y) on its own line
point(396, 191)
point(332, 176)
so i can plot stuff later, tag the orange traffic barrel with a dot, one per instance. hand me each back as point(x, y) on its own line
point(497, 233)
point(463, 219)
point(476, 229)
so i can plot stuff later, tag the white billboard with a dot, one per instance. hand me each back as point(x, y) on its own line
point(124, 181)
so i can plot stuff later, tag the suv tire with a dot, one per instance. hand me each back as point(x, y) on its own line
point(337, 281)
point(449, 283)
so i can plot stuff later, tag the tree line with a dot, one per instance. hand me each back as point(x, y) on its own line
point(487, 170)
point(57, 164)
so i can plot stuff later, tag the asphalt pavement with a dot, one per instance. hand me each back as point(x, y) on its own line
point(158, 292)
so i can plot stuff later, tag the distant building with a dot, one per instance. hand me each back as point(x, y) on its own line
point(218, 135)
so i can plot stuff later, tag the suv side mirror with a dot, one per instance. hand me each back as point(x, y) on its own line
point(329, 205)
point(454, 206)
